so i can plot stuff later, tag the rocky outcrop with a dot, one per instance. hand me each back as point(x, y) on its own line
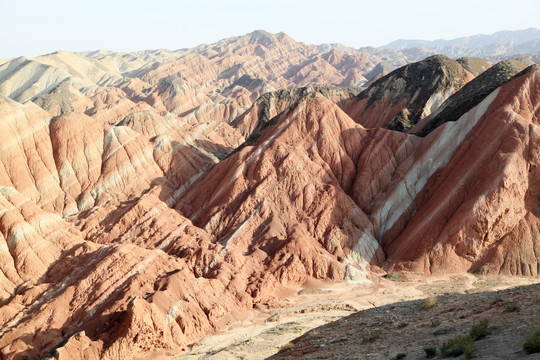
point(272, 104)
point(470, 95)
point(479, 218)
point(405, 96)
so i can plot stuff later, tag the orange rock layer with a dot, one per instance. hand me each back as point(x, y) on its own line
point(142, 210)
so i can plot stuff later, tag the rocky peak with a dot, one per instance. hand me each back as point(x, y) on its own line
point(173, 84)
point(267, 108)
point(261, 37)
point(472, 94)
point(409, 93)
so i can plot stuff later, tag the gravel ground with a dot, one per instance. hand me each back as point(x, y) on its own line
point(408, 327)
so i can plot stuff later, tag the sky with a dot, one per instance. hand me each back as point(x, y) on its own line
point(34, 28)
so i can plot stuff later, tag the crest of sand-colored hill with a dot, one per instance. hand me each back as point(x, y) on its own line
point(148, 199)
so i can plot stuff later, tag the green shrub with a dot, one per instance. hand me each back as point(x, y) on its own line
point(479, 330)
point(400, 356)
point(532, 345)
point(286, 347)
point(460, 345)
point(430, 302)
point(431, 351)
point(511, 306)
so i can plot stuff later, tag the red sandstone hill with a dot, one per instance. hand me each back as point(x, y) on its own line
point(147, 200)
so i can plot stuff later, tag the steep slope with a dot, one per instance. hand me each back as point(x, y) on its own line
point(287, 193)
point(52, 283)
point(489, 208)
point(406, 95)
point(153, 256)
point(181, 198)
point(470, 95)
point(24, 78)
point(271, 104)
point(63, 99)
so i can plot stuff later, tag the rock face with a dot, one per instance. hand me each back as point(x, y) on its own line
point(489, 220)
point(407, 95)
point(148, 199)
point(272, 104)
point(471, 94)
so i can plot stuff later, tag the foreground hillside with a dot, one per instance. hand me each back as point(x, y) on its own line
point(410, 327)
point(150, 199)
point(392, 305)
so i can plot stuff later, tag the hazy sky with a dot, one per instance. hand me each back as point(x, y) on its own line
point(39, 27)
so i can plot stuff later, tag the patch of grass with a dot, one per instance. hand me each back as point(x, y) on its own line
point(430, 302)
point(400, 356)
point(313, 335)
point(464, 345)
point(286, 347)
point(435, 322)
point(532, 345)
point(369, 336)
point(397, 276)
point(511, 306)
point(431, 351)
point(460, 345)
point(284, 328)
point(479, 330)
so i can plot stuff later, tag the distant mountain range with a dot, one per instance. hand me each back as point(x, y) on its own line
point(501, 43)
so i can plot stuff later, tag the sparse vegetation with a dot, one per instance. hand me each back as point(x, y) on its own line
point(401, 325)
point(460, 345)
point(401, 355)
point(464, 345)
point(286, 347)
point(313, 335)
point(431, 351)
point(532, 345)
point(397, 276)
point(435, 322)
point(369, 336)
point(430, 302)
point(480, 330)
point(283, 328)
point(511, 306)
